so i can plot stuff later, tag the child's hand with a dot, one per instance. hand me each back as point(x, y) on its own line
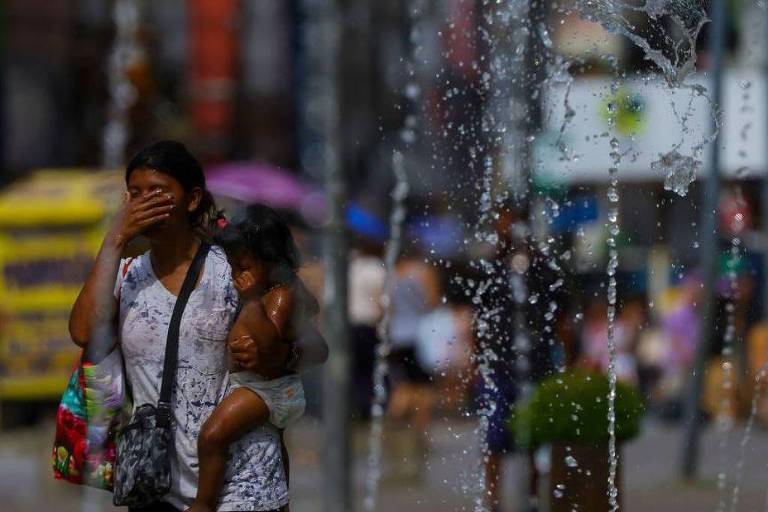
point(248, 355)
point(245, 282)
point(245, 351)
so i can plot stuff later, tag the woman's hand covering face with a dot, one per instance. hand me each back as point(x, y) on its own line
point(142, 212)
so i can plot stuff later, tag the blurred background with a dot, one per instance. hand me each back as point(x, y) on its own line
point(481, 135)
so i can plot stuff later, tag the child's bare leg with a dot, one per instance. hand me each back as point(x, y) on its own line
point(237, 414)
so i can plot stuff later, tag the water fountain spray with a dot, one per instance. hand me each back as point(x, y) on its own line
point(613, 263)
point(396, 221)
point(747, 434)
point(383, 347)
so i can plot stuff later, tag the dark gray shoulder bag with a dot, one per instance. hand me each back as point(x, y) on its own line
point(145, 445)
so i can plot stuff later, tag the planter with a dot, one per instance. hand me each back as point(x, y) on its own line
point(584, 486)
point(570, 410)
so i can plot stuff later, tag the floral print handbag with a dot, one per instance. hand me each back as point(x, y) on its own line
point(93, 408)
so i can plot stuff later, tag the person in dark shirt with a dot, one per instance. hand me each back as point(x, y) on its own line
point(522, 302)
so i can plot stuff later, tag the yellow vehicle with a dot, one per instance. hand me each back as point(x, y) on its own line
point(51, 226)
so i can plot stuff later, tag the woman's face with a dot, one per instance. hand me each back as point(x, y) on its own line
point(142, 182)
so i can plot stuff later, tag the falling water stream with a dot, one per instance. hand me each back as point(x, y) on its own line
point(677, 65)
point(484, 321)
point(725, 417)
point(381, 368)
point(487, 403)
point(689, 16)
point(746, 435)
point(613, 263)
point(392, 251)
point(759, 384)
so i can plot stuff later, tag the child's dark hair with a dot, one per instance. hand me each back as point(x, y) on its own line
point(175, 160)
point(262, 232)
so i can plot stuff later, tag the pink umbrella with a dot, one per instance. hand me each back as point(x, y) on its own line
point(253, 182)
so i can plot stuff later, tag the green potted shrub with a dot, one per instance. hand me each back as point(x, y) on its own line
point(569, 411)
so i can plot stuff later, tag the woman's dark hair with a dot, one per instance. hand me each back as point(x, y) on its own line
point(173, 158)
point(263, 233)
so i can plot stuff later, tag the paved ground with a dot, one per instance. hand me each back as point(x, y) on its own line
point(650, 466)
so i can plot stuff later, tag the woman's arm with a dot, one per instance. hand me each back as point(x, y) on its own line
point(96, 304)
point(95, 307)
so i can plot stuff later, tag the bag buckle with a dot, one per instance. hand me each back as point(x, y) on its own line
point(163, 415)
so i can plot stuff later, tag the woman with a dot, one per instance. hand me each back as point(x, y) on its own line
point(168, 203)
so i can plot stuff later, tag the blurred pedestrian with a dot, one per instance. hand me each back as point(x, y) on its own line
point(443, 348)
point(675, 353)
point(366, 284)
point(415, 292)
point(594, 340)
point(497, 383)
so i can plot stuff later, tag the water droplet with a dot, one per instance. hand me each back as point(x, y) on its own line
point(412, 91)
point(679, 170)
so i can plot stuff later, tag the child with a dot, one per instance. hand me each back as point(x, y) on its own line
point(275, 307)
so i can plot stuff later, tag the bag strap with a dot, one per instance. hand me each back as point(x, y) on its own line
point(172, 342)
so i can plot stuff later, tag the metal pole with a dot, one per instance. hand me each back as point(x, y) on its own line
point(3, 68)
point(3, 170)
point(534, 74)
point(709, 248)
point(765, 184)
point(298, 77)
point(320, 156)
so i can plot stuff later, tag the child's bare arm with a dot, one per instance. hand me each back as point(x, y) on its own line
point(281, 306)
